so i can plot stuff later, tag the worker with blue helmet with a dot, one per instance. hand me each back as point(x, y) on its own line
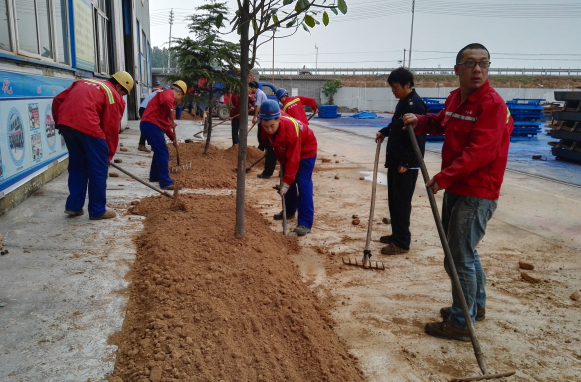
point(295, 147)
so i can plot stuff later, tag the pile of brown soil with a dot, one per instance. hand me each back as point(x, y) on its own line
point(186, 116)
point(205, 306)
point(213, 170)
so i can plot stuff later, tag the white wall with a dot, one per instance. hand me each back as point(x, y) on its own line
point(382, 100)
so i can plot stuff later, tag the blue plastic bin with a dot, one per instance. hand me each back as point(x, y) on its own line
point(179, 112)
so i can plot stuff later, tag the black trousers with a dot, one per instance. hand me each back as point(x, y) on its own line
point(400, 190)
point(270, 160)
point(141, 137)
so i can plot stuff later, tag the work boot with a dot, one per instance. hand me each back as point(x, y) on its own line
point(106, 215)
point(302, 230)
point(263, 176)
point(447, 331)
point(143, 148)
point(171, 187)
point(387, 239)
point(392, 249)
point(279, 216)
point(480, 313)
point(74, 213)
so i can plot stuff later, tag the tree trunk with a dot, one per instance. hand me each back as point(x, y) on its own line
point(208, 124)
point(243, 132)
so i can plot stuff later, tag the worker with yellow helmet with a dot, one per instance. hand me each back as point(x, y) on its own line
point(157, 119)
point(88, 115)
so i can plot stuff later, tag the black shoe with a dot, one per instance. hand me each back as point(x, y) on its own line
point(447, 331)
point(262, 176)
point(387, 239)
point(480, 313)
point(279, 216)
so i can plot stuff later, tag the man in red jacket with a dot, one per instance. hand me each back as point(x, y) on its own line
point(157, 119)
point(477, 125)
point(294, 106)
point(88, 116)
point(295, 147)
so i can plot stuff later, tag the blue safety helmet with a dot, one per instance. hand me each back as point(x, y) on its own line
point(157, 82)
point(281, 93)
point(269, 109)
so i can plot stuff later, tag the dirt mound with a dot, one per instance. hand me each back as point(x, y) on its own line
point(205, 306)
point(214, 170)
point(187, 116)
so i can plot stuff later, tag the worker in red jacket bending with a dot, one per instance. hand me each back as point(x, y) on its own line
point(295, 147)
point(88, 116)
point(157, 119)
point(477, 125)
point(294, 105)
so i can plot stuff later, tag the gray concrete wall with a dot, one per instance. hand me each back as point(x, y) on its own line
point(305, 87)
point(382, 100)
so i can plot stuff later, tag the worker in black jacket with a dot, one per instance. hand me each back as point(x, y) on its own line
point(402, 166)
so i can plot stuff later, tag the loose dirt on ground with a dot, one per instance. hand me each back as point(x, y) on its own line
point(217, 169)
point(187, 116)
point(205, 306)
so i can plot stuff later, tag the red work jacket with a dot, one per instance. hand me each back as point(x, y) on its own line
point(475, 150)
point(92, 107)
point(294, 107)
point(159, 111)
point(292, 142)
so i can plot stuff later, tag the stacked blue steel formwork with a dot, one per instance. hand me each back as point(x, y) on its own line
point(566, 126)
point(527, 115)
point(328, 111)
point(435, 105)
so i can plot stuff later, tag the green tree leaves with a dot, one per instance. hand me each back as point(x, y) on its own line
point(325, 18)
point(342, 6)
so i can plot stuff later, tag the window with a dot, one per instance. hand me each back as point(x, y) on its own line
point(33, 27)
point(61, 31)
point(4, 27)
point(101, 40)
point(143, 53)
point(40, 28)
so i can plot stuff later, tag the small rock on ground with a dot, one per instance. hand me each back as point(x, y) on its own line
point(526, 265)
point(529, 278)
point(336, 176)
point(117, 160)
point(122, 149)
point(355, 222)
point(155, 375)
point(386, 220)
point(113, 175)
point(575, 296)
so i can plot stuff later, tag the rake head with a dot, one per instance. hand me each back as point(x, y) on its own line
point(365, 263)
point(176, 169)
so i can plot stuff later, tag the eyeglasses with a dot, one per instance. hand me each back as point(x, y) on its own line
point(472, 64)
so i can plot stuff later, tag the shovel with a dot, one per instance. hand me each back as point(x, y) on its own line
point(226, 120)
point(455, 280)
point(144, 182)
point(366, 261)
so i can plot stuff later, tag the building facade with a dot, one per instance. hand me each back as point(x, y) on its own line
point(45, 45)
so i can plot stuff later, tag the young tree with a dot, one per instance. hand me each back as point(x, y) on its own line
point(207, 57)
point(159, 58)
point(255, 18)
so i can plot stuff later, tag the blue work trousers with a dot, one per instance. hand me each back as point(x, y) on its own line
point(300, 194)
point(88, 168)
point(465, 219)
point(159, 171)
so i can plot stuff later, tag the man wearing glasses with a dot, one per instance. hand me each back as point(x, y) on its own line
point(477, 125)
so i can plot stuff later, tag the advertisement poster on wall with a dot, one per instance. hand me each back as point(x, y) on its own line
point(84, 34)
point(28, 138)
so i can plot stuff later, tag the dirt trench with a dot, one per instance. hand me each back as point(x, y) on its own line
point(205, 306)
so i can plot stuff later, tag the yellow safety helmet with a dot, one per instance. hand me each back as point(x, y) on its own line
point(181, 84)
point(124, 80)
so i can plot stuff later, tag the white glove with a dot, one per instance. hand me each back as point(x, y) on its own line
point(283, 188)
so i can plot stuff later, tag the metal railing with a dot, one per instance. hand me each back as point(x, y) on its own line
point(384, 71)
point(424, 71)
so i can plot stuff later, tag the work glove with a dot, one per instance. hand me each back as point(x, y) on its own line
point(283, 188)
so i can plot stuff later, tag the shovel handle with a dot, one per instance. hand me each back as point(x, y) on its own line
point(255, 163)
point(367, 253)
point(251, 127)
point(284, 221)
point(448, 254)
point(175, 138)
point(224, 121)
point(141, 181)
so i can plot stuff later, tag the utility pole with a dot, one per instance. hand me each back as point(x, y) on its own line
point(411, 34)
point(317, 60)
point(169, 49)
point(404, 58)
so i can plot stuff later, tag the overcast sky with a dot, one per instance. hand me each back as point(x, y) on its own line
point(374, 33)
